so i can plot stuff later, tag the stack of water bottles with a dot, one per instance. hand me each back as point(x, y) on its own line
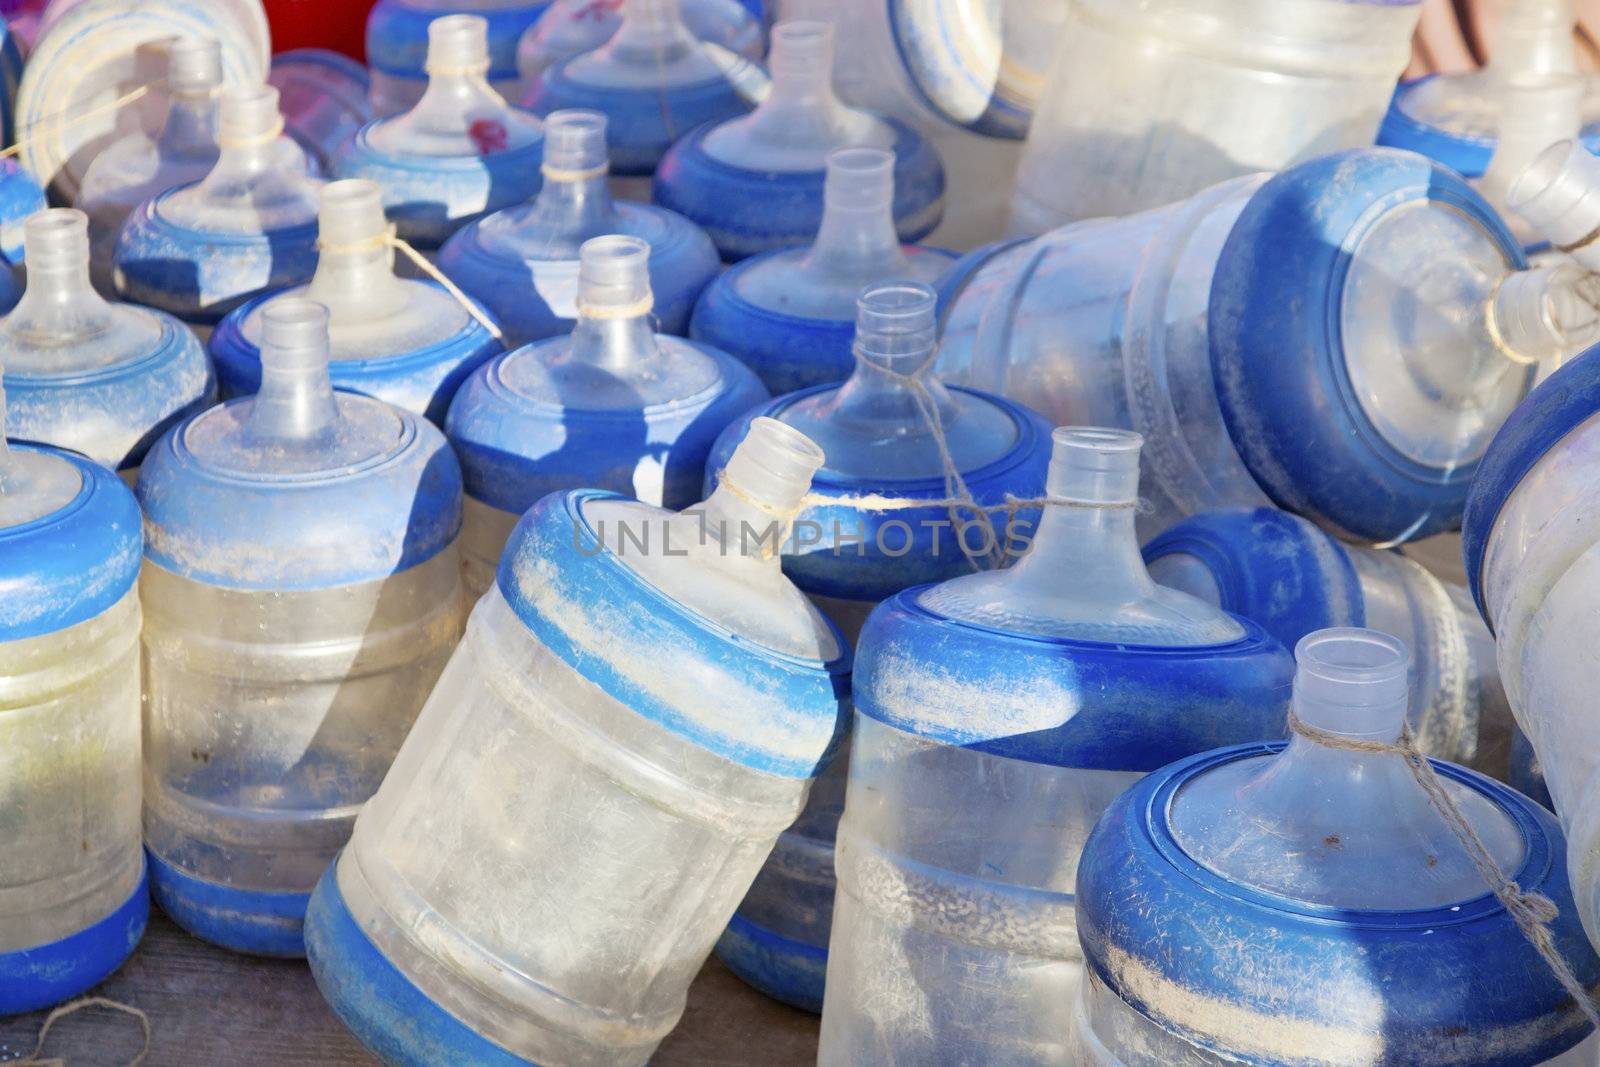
point(1025, 529)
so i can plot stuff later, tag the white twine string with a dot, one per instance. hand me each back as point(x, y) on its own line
point(559, 174)
point(267, 136)
point(34, 1059)
point(389, 238)
point(1532, 912)
point(65, 119)
point(638, 309)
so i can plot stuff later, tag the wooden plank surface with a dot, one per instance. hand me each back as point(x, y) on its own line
point(213, 1008)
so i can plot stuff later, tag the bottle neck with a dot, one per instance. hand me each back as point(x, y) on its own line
point(741, 531)
point(458, 94)
point(856, 242)
point(357, 282)
point(191, 125)
point(60, 305)
point(613, 343)
point(1085, 551)
point(577, 205)
point(885, 390)
point(293, 407)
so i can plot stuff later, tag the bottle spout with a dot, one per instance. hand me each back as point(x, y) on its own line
point(1546, 315)
point(458, 47)
point(1558, 193)
point(355, 262)
point(1538, 111)
point(857, 237)
point(59, 303)
point(1535, 37)
point(614, 303)
point(194, 66)
point(897, 328)
point(295, 403)
point(248, 127)
point(764, 484)
point(575, 199)
point(1352, 684)
point(1094, 467)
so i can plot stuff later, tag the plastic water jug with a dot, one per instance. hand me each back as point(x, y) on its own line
point(102, 379)
point(1456, 118)
point(522, 263)
point(1531, 563)
point(301, 592)
point(997, 715)
point(74, 887)
point(1150, 103)
point(789, 314)
point(570, 28)
point(138, 166)
point(653, 80)
point(1284, 573)
point(457, 155)
point(755, 183)
point(248, 227)
point(598, 776)
point(397, 46)
point(325, 99)
point(613, 406)
point(404, 341)
point(1307, 904)
point(878, 433)
point(1413, 323)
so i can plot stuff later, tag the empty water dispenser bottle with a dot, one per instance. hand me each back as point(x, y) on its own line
point(459, 153)
point(1532, 564)
point(900, 448)
point(756, 183)
point(997, 715)
point(1414, 322)
point(301, 594)
point(627, 731)
point(246, 228)
point(569, 28)
point(522, 263)
point(100, 378)
point(789, 314)
point(404, 341)
point(397, 45)
point(1150, 103)
point(1310, 904)
point(613, 405)
point(1283, 572)
point(73, 890)
point(653, 80)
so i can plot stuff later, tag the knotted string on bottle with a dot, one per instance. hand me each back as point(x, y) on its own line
point(389, 238)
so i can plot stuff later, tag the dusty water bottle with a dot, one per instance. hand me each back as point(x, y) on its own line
point(397, 46)
point(1148, 104)
point(73, 889)
point(522, 263)
point(789, 314)
point(407, 342)
point(1309, 904)
point(246, 228)
point(612, 406)
point(878, 433)
point(1417, 326)
point(997, 715)
point(653, 80)
point(457, 155)
point(569, 28)
point(139, 166)
point(756, 183)
point(102, 379)
point(301, 592)
point(663, 711)
point(1284, 573)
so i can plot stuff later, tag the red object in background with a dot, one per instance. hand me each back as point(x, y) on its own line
point(337, 24)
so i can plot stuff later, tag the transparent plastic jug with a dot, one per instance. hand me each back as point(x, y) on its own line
point(248, 227)
point(880, 443)
point(1308, 904)
point(301, 593)
point(570, 28)
point(325, 99)
point(1414, 323)
point(1150, 103)
point(407, 342)
point(1293, 579)
point(457, 155)
point(522, 263)
point(756, 183)
point(397, 45)
point(73, 889)
point(653, 80)
point(997, 715)
point(626, 731)
point(1456, 118)
point(138, 166)
point(790, 314)
point(1531, 564)
point(612, 406)
point(99, 378)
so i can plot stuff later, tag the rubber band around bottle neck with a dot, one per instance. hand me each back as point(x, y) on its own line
point(265, 137)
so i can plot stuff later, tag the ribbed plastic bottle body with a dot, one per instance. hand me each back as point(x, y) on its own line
point(1263, 84)
point(959, 940)
point(522, 793)
point(273, 714)
point(69, 777)
point(1105, 323)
